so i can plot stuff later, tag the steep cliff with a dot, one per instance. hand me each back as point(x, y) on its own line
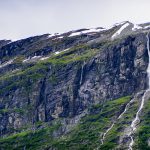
point(65, 91)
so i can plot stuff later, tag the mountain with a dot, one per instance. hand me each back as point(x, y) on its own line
point(81, 90)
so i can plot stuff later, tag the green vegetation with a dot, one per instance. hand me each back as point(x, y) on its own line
point(53, 79)
point(120, 125)
point(19, 59)
point(35, 71)
point(72, 57)
point(85, 136)
point(29, 140)
point(16, 110)
point(77, 53)
point(29, 75)
point(3, 111)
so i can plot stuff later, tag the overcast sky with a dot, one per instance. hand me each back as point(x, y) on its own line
point(24, 18)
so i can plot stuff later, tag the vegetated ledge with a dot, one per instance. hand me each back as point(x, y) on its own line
point(39, 70)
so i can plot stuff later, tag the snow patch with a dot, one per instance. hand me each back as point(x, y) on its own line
point(146, 27)
point(15, 70)
point(86, 31)
point(44, 58)
point(136, 27)
point(26, 60)
point(92, 30)
point(75, 34)
point(7, 63)
point(58, 52)
point(34, 58)
point(60, 37)
point(52, 35)
point(55, 36)
point(120, 30)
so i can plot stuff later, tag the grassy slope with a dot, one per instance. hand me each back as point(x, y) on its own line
point(86, 135)
point(29, 140)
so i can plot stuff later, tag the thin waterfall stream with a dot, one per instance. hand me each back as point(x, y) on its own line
point(120, 116)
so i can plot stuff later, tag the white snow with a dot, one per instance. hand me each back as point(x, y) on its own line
point(93, 30)
point(44, 58)
point(146, 27)
point(75, 34)
point(65, 49)
point(10, 42)
point(15, 70)
point(51, 35)
point(7, 63)
point(34, 58)
point(58, 52)
point(86, 31)
point(60, 37)
point(90, 30)
point(120, 30)
point(136, 27)
point(26, 60)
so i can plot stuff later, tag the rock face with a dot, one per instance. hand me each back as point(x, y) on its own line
point(88, 70)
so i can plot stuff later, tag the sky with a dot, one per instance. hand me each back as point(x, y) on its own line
point(24, 18)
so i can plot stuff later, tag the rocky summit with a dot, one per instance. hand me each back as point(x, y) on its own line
point(86, 89)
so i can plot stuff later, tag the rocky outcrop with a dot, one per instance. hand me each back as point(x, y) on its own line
point(118, 69)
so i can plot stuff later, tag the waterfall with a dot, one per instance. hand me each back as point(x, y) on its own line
point(120, 116)
point(103, 138)
point(126, 108)
point(81, 76)
point(136, 120)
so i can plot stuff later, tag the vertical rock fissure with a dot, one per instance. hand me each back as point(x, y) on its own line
point(41, 100)
point(136, 120)
point(81, 77)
